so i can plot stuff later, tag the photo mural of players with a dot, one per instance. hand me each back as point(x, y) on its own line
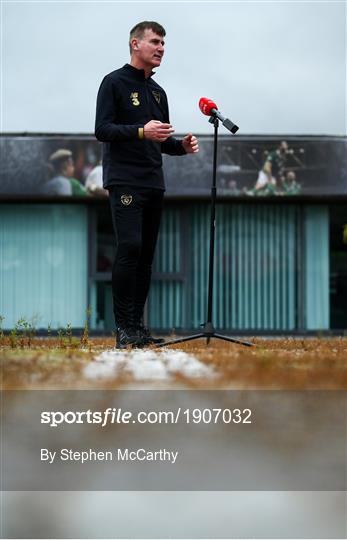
point(60, 171)
point(43, 166)
point(255, 166)
point(274, 178)
point(47, 166)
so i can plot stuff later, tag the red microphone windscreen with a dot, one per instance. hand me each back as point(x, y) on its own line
point(206, 105)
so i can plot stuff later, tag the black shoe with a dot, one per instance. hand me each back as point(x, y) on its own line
point(146, 336)
point(128, 337)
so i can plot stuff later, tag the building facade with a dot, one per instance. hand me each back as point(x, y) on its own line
point(280, 258)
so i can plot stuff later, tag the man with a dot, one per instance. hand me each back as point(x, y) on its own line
point(132, 120)
point(272, 171)
point(94, 183)
point(290, 184)
point(62, 168)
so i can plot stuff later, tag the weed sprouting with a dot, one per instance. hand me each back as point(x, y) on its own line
point(13, 337)
point(68, 333)
point(85, 336)
point(66, 339)
point(2, 318)
point(61, 338)
point(22, 334)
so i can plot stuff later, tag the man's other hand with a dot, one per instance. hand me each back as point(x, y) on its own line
point(190, 144)
point(157, 131)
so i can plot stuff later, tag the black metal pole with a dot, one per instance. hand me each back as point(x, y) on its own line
point(212, 224)
point(209, 328)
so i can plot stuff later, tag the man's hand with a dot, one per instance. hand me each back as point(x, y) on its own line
point(157, 131)
point(190, 144)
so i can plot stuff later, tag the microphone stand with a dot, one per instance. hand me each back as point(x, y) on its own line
point(208, 331)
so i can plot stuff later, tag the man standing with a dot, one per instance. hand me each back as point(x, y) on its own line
point(132, 120)
point(272, 171)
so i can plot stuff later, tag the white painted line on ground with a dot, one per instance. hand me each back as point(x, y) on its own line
point(147, 365)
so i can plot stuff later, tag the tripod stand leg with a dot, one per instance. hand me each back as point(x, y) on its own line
point(208, 339)
point(234, 340)
point(181, 340)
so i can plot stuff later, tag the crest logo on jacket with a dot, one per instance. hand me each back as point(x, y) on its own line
point(126, 199)
point(134, 96)
point(156, 96)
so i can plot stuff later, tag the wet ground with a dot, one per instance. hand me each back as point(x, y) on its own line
point(272, 363)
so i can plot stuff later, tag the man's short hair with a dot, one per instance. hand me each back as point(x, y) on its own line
point(139, 30)
point(59, 158)
point(62, 154)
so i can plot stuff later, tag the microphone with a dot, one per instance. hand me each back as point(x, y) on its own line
point(209, 108)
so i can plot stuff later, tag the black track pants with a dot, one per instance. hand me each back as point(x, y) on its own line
point(136, 214)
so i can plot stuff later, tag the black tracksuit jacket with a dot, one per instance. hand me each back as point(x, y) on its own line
point(127, 101)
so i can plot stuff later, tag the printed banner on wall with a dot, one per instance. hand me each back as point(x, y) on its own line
point(71, 166)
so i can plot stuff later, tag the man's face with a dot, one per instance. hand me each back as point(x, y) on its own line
point(68, 168)
point(150, 49)
point(283, 147)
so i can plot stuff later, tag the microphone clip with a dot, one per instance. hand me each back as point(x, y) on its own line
point(214, 120)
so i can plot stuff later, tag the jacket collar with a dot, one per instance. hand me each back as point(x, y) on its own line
point(139, 74)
